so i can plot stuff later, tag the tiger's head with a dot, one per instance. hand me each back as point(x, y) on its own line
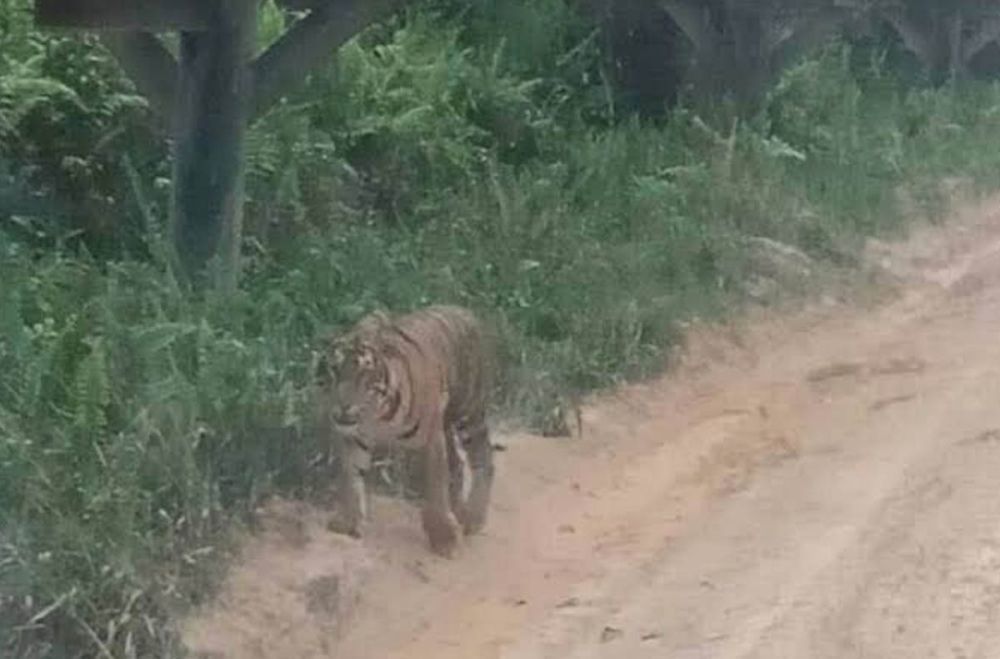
point(354, 374)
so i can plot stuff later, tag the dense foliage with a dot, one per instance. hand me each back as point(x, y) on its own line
point(478, 156)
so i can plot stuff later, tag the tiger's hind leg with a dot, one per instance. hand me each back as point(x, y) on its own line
point(440, 525)
point(480, 452)
point(456, 472)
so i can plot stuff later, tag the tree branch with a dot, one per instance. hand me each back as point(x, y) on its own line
point(150, 66)
point(913, 37)
point(308, 44)
point(811, 33)
point(987, 33)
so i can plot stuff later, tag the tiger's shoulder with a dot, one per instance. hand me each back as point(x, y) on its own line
point(451, 337)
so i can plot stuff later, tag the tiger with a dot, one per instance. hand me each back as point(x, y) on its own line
point(420, 381)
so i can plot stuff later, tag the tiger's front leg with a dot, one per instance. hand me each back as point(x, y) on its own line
point(355, 462)
point(440, 524)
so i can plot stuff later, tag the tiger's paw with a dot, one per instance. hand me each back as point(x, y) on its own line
point(474, 522)
point(443, 532)
point(342, 525)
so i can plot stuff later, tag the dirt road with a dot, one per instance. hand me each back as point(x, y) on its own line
point(827, 487)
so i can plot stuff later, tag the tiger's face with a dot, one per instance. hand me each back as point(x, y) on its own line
point(355, 375)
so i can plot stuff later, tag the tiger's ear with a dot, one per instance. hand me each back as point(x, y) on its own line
point(329, 363)
point(322, 373)
point(373, 323)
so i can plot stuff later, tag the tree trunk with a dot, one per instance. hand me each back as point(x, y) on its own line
point(935, 38)
point(213, 102)
point(736, 52)
point(732, 62)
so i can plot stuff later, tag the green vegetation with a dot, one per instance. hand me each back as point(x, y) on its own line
point(443, 157)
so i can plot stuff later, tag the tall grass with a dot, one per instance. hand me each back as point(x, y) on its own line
point(139, 421)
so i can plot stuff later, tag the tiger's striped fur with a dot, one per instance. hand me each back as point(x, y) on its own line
point(420, 380)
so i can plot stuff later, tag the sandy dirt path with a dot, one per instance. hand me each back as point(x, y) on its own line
point(825, 486)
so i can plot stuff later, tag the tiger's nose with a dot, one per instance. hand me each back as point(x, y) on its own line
point(347, 414)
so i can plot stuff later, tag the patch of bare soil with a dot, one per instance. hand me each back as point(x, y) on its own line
point(824, 486)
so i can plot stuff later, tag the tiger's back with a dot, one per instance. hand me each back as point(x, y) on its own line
point(455, 350)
